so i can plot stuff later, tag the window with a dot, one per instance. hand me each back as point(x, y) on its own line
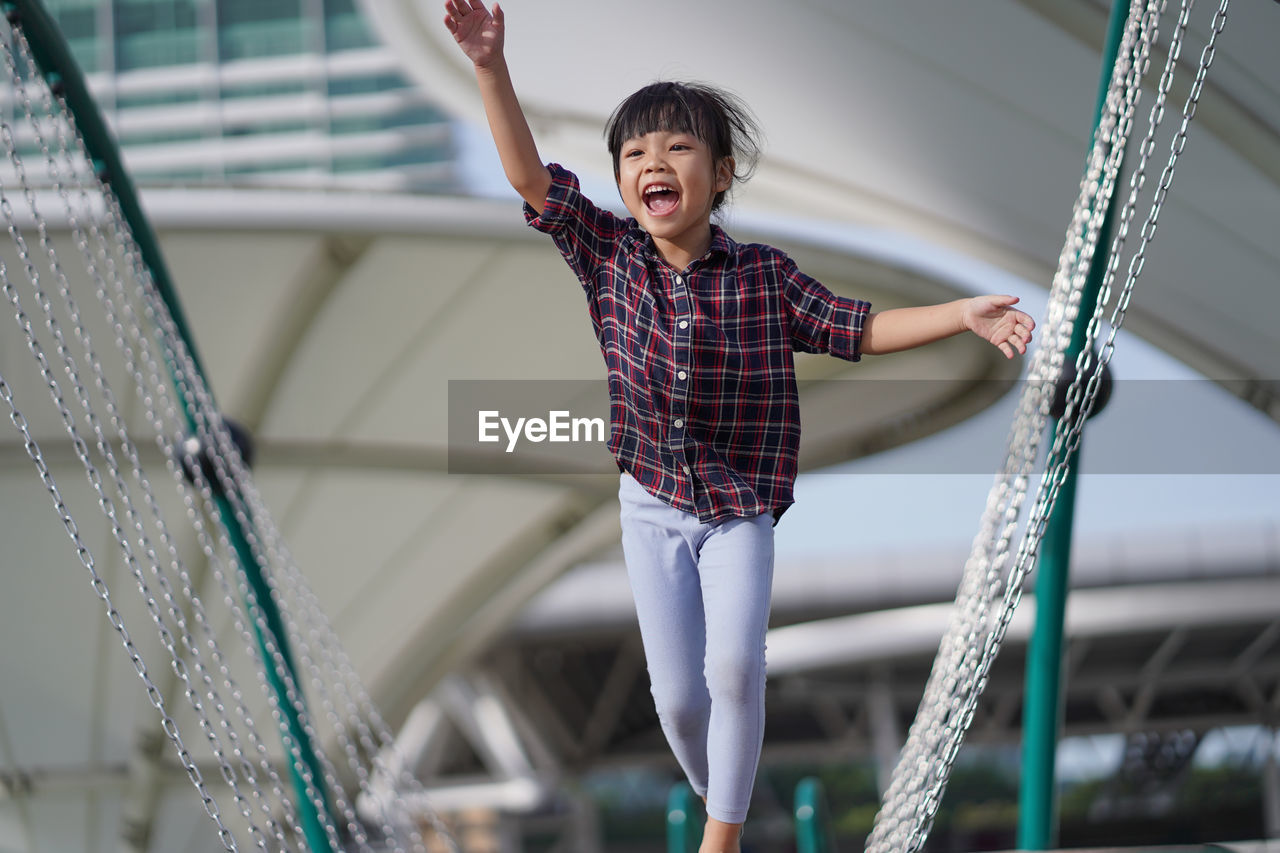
point(257, 28)
point(155, 33)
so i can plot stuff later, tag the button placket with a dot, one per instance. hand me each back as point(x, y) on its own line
point(682, 346)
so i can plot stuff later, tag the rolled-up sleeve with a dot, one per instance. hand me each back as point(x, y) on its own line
point(822, 322)
point(585, 234)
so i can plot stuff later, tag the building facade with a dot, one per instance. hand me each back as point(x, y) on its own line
point(283, 93)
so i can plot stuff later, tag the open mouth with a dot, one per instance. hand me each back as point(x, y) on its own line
point(660, 200)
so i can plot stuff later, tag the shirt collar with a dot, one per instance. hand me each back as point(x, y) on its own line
point(635, 240)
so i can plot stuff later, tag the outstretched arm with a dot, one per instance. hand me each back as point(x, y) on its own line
point(992, 318)
point(480, 35)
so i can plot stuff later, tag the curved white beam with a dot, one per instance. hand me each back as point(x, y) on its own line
point(914, 631)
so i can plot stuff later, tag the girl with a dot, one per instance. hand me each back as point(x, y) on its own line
point(697, 332)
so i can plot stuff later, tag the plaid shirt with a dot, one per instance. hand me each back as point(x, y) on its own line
point(704, 407)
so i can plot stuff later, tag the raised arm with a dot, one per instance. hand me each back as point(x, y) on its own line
point(480, 35)
point(992, 318)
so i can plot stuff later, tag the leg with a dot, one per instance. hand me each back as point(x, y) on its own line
point(736, 570)
point(662, 567)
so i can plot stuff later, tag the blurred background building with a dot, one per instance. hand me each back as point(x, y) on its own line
point(283, 93)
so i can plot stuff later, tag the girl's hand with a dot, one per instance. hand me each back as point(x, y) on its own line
point(993, 319)
point(477, 32)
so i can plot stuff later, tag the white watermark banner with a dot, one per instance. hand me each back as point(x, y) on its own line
point(1167, 426)
point(554, 427)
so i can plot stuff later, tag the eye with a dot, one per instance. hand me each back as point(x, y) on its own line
point(634, 152)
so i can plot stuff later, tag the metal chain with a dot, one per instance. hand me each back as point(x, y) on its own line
point(86, 557)
point(953, 672)
point(983, 570)
point(191, 646)
point(364, 711)
point(359, 705)
point(171, 449)
point(199, 502)
point(95, 479)
point(327, 644)
point(355, 829)
point(211, 432)
point(230, 459)
point(82, 239)
point(270, 550)
point(345, 683)
point(235, 480)
point(1056, 475)
point(238, 484)
point(992, 641)
point(1069, 439)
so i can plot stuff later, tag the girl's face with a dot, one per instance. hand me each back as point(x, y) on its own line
point(668, 182)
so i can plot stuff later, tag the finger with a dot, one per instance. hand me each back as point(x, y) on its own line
point(450, 23)
point(1007, 350)
point(498, 15)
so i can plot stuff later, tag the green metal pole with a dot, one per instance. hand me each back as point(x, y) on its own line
point(683, 833)
point(50, 51)
point(812, 820)
point(1042, 708)
point(291, 725)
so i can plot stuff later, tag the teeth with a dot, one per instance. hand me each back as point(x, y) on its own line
point(656, 188)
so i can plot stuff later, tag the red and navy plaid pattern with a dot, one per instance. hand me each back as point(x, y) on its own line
point(705, 412)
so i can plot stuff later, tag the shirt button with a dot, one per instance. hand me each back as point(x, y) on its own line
point(685, 469)
point(684, 324)
point(679, 422)
point(679, 280)
point(682, 375)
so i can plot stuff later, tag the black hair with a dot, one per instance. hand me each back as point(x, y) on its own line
point(719, 119)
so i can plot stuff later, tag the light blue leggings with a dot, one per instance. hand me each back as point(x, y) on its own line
point(702, 598)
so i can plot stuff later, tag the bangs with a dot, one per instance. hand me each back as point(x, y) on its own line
point(663, 107)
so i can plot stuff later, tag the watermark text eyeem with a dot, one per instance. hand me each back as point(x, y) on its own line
point(559, 426)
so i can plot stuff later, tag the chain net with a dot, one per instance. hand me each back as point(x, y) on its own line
point(994, 578)
point(129, 415)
